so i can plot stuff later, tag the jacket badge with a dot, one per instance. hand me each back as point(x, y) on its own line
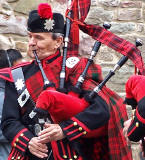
point(72, 61)
point(19, 84)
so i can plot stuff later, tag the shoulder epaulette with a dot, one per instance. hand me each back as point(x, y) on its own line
point(6, 74)
point(22, 64)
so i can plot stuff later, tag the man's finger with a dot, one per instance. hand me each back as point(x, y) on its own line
point(38, 153)
point(127, 123)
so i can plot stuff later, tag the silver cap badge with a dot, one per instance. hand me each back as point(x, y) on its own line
point(49, 23)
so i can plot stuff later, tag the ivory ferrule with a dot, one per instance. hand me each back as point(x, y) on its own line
point(62, 75)
point(81, 79)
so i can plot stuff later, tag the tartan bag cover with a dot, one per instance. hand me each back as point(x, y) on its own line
point(118, 149)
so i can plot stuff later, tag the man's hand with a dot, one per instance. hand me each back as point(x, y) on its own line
point(52, 132)
point(125, 129)
point(38, 149)
point(142, 146)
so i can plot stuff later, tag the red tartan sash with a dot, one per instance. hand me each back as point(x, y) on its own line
point(113, 41)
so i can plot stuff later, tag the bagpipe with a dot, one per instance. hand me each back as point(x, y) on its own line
point(62, 106)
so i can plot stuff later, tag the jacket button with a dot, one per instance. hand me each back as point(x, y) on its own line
point(70, 159)
point(64, 156)
point(75, 124)
point(75, 157)
point(17, 140)
point(13, 158)
point(80, 128)
point(137, 124)
point(15, 144)
point(22, 135)
point(18, 158)
point(84, 132)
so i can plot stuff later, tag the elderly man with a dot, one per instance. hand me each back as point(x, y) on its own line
point(57, 141)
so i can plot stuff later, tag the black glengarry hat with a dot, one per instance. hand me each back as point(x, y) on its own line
point(43, 20)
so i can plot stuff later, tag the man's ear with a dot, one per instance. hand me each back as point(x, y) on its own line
point(59, 41)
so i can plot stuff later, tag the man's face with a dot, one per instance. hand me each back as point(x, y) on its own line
point(43, 44)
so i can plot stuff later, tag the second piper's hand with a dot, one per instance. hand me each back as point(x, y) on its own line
point(125, 129)
point(38, 149)
point(141, 147)
point(52, 132)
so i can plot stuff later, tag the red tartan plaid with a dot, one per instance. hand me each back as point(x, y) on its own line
point(113, 41)
point(118, 149)
point(79, 11)
point(101, 149)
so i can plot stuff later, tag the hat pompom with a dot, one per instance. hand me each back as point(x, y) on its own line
point(44, 11)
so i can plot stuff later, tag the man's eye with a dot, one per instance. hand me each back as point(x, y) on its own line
point(39, 37)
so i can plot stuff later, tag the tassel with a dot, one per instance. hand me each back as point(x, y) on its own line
point(135, 70)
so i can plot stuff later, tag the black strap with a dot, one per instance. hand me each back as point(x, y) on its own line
point(2, 93)
point(19, 81)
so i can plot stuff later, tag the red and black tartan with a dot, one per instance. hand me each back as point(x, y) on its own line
point(81, 7)
point(113, 41)
point(79, 11)
point(118, 148)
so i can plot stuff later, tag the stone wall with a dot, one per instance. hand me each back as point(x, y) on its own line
point(127, 18)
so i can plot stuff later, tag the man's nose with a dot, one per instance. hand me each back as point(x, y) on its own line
point(32, 41)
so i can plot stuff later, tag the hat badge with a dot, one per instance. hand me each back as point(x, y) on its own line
point(49, 23)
